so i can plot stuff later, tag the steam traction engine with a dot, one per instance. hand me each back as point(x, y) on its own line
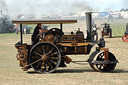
point(5, 23)
point(106, 31)
point(51, 51)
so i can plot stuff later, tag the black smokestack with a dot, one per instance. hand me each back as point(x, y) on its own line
point(89, 25)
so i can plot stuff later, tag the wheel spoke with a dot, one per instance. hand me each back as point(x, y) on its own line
point(39, 50)
point(101, 66)
point(53, 62)
point(49, 64)
point(42, 66)
point(53, 58)
point(102, 54)
point(43, 49)
point(35, 57)
point(38, 64)
point(47, 48)
point(37, 53)
point(53, 53)
point(100, 57)
point(36, 61)
point(46, 67)
point(50, 51)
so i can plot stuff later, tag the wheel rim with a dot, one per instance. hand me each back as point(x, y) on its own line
point(45, 57)
point(91, 59)
point(104, 67)
point(125, 38)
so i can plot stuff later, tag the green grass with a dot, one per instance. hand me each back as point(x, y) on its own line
point(118, 29)
point(6, 35)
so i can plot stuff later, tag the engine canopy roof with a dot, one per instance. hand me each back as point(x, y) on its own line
point(51, 21)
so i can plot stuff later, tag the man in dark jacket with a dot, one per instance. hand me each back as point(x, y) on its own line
point(35, 39)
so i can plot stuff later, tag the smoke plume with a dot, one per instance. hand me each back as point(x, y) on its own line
point(47, 7)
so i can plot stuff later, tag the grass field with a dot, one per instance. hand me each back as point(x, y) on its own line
point(73, 74)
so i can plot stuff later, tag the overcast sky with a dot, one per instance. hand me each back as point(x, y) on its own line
point(63, 6)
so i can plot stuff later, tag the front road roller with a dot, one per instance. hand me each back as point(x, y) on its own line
point(102, 61)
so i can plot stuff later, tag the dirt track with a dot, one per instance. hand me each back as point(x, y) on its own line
point(73, 74)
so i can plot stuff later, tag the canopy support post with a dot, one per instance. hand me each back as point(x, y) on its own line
point(21, 37)
point(61, 28)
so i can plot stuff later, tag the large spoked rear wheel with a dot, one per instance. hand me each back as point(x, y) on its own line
point(44, 57)
point(102, 67)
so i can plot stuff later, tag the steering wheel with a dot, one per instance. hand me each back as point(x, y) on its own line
point(55, 31)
